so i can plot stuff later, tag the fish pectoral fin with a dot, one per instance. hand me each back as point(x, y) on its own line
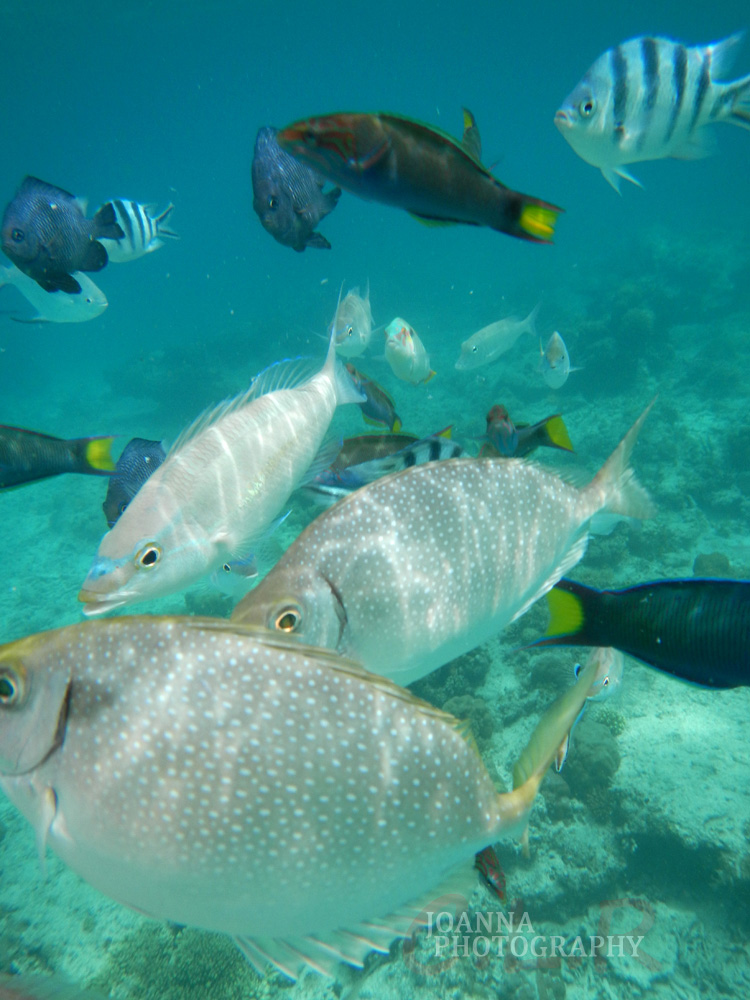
point(430, 220)
point(613, 174)
point(318, 241)
point(352, 944)
point(59, 281)
point(46, 818)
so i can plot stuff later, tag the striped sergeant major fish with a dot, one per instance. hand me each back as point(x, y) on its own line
point(649, 99)
point(143, 230)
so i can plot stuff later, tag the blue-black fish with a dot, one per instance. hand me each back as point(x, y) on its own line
point(47, 236)
point(288, 195)
point(140, 457)
point(694, 629)
point(27, 456)
point(377, 407)
point(651, 98)
point(143, 230)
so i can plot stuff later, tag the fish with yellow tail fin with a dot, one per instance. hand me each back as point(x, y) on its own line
point(696, 630)
point(28, 456)
point(178, 724)
point(506, 438)
point(415, 569)
point(410, 165)
point(378, 407)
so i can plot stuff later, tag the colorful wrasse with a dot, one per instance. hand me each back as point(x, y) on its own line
point(696, 630)
point(487, 864)
point(509, 439)
point(178, 725)
point(27, 456)
point(378, 407)
point(406, 354)
point(410, 165)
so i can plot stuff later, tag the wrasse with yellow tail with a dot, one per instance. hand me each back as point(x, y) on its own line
point(27, 456)
point(696, 630)
point(410, 165)
point(503, 437)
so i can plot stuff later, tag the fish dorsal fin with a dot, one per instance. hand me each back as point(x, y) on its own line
point(324, 952)
point(288, 374)
point(471, 138)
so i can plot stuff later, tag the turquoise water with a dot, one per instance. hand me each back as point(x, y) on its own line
point(160, 102)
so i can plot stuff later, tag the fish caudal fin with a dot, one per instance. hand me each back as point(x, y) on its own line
point(574, 614)
point(542, 749)
point(739, 107)
point(557, 434)
point(619, 492)
point(537, 220)
point(97, 455)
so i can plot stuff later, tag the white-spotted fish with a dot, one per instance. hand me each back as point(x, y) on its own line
point(209, 775)
point(217, 492)
point(651, 98)
point(352, 323)
point(143, 230)
point(59, 306)
point(489, 343)
point(418, 568)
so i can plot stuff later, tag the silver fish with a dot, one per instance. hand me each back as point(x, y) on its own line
point(651, 98)
point(416, 569)
point(59, 306)
point(218, 490)
point(555, 362)
point(206, 774)
point(608, 664)
point(489, 343)
point(143, 230)
point(406, 354)
point(352, 323)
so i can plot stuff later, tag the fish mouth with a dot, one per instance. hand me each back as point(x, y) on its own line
point(563, 120)
point(99, 604)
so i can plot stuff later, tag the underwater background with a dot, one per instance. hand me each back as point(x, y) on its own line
point(160, 102)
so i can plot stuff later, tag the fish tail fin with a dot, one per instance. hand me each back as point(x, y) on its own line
point(529, 325)
point(615, 484)
point(557, 433)
point(536, 220)
point(396, 425)
point(160, 220)
point(739, 109)
point(574, 611)
point(541, 750)
point(97, 455)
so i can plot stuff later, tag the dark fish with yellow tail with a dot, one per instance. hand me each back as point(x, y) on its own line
point(410, 165)
point(696, 630)
point(378, 407)
point(253, 786)
point(516, 440)
point(27, 456)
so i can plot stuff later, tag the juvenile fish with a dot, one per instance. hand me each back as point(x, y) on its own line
point(56, 307)
point(406, 354)
point(47, 236)
point(204, 774)
point(352, 323)
point(489, 343)
point(143, 230)
point(418, 568)
point(608, 666)
point(28, 456)
point(223, 482)
point(651, 98)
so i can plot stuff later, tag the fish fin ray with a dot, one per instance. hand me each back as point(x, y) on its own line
point(621, 493)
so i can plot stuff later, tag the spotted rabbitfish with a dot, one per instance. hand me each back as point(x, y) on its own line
point(223, 482)
point(418, 568)
point(205, 774)
point(651, 98)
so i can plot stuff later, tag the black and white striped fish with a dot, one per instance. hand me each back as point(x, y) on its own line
point(650, 98)
point(142, 228)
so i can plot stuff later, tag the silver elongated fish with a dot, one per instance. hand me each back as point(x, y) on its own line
point(205, 774)
point(418, 568)
point(59, 306)
point(143, 230)
point(223, 482)
point(651, 98)
point(489, 343)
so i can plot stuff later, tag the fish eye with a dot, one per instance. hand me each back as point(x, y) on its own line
point(349, 331)
point(587, 107)
point(577, 669)
point(288, 619)
point(11, 687)
point(474, 349)
point(148, 556)
point(227, 568)
point(273, 202)
point(18, 236)
point(123, 507)
point(605, 682)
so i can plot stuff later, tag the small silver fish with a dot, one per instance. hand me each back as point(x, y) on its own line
point(555, 362)
point(206, 774)
point(352, 323)
point(608, 664)
point(418, 568)
point(489, 343)
point(406, 354)
point(651, 98)
point(143, 230)
point(59, 306)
